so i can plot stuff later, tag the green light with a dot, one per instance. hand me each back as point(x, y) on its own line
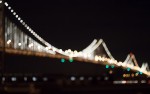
point(62, 60)
point(128, 69)
point(107, 66)
point(112, 66)
point(70, 60)
point(141, 73)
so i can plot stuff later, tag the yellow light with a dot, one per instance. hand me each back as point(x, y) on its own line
point(124, 75)
point(132, 75)
point(110, 72)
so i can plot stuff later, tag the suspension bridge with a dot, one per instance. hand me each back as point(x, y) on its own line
point(17, 40)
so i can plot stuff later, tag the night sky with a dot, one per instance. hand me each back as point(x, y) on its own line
point(124, 25)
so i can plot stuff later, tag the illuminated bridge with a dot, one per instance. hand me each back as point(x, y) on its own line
point(16, 37)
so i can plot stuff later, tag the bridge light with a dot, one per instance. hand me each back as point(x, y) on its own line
point(21, 21)
point(112, 66)
point(34, 78)
point(141, 72)
point(6, 4)
point(62, 60)
point(25, 78)
point(136, 74)
point(14, 13)
point(9, 41)
point(81, 78)
point(16, 16)
point(13, 79)
point(12, 10)
point(19, 18)
point(71, 60)
point(19, 44)
point(9, 8)
point(128, 69)
point(107, 66)
point(73, 78)
point(30, 45)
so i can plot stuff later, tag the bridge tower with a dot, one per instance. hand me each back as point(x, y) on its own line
point(2, 35)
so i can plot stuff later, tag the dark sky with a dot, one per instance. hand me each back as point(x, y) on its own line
point(124, 25)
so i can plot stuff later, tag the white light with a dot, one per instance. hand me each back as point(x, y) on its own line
point(30, 45)
point(0, 1)
point(34, 78)
point(45, 79)
point(106, 78)
point(143, 81)
point(14, 13)
point(9, 8)
point(13, 79)
point(19, 44)
point(28, 27)
point(3, 79)
point(16, 16)
point(25, 78)
point(19, 18)
point(12, 10)
point(39, 47)
point(73, 78)
point(90, 78)
point(81, 78)
point(9, 41)
point(21, 21)
point(6, 3)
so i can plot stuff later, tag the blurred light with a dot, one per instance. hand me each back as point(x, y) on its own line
point(9, 8)
point(128, 69)
point(124, 75)
point(141, 72)
point(73, 78)
point(112, 66)
point(62, 60)
point(13, 79)
point(143, 81)
point(19, 18)
point(16, 16)
point(6, 3)
point(81, 78)
point(19, 44)
point(123, 82)
point(90, 78)
point(132, 75)
point(9, 41)
point(0, 1)
point(107, 66)
point(12, 10)
point(45, 79)
point(30, 45)
point(14, 13)
point(106, 78)
point(21, 21)
point(71, 60)
point(3, 79)
point(110, 72)
point(25, 78)
point(136, 74)
point(34, 78)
